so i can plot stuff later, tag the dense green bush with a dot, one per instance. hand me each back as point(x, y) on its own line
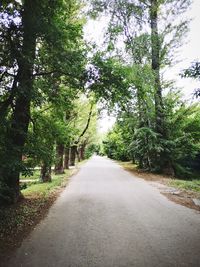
point(180, 147)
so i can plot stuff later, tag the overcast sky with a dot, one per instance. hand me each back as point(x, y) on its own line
point(189, 52)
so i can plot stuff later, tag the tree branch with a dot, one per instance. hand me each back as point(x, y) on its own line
point(49, 73)
point(44, 73)
point(6, 103)
point(2, 75)
point(87, 124)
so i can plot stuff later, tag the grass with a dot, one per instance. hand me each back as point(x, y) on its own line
point(44, 189)
point(182, 184)
point(193, 185)
point(128, 165)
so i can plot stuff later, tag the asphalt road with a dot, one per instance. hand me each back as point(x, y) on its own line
point(108, 218)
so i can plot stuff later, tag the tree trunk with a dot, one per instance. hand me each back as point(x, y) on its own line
point(73, 155)
point(168, 169)
point(78, 154)
point(155, 48)
point(163, 160)
point(45, 173)
point(17, 133)
point(66, 161)
point(82, 152)
point(59, 167)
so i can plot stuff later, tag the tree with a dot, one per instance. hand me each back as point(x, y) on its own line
point(43, 38)
point(151, 30)
point(24, 86)
point(84, 123)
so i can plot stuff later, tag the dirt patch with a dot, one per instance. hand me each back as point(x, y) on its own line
point(145, 175)
point(19, 220)
point(181, 197)
point(142, 174)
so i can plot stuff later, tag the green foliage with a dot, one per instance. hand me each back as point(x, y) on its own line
point(145, 147)
point(41, 138)
point(91, 150)
point(130, 21)
point(107, 79)
point(193, 72)
point(42, 55)
point(151, 31)
point(181, 147)
point(115, 146)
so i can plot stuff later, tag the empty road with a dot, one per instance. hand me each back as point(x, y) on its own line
point(106, 217)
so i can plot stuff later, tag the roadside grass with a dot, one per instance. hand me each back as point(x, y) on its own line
point(193, 185)
point(182, 184)
point(128, 165)
point(44, 189)
point(18, 220)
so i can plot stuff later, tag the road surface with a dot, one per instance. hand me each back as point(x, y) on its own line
point(108, 218)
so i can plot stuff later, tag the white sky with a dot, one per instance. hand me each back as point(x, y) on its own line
point(189, 52)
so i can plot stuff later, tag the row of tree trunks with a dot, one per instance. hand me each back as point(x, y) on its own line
point(79, 152)
point(66, 157)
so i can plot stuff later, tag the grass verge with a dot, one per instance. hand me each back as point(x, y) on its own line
point(17, 221)
point(192, 185)
point(187, 189)
point(44, 189)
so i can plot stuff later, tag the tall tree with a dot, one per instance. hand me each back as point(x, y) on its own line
point(85, 115)
point(156, 64)
point(19, 122)
point(44, 38)
point(151, 30)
